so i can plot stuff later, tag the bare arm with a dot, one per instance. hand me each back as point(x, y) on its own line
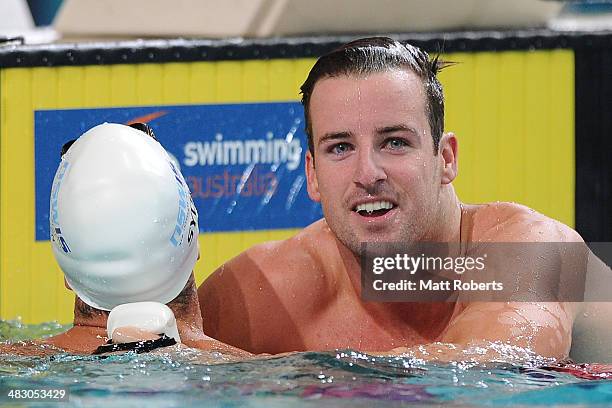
point(508, 332)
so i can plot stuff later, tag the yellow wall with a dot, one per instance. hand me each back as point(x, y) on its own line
point(512, 111)
point(514, 115)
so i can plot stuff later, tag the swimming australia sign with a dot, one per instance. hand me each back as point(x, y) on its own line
point(242, 162)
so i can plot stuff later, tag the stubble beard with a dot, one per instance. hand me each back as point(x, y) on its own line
point(409, 232)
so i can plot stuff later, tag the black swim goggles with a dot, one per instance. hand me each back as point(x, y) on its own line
point(142, 346)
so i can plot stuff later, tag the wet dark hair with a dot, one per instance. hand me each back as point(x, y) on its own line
point(180, 303)
point(376, 54)
point(183, 300)
point(86, 310)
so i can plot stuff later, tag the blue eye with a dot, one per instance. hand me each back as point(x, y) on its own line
point(396, 143)
point(340, 148)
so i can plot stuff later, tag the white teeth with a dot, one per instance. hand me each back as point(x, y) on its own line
point(378, 205)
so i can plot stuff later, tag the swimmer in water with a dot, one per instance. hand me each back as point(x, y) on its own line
point(382, 168)
point(125, 230)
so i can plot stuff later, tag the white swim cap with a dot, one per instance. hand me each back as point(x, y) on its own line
point(123, 225)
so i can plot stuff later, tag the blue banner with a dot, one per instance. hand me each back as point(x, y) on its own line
point(244, 163)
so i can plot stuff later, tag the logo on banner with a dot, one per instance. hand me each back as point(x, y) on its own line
point(220, 153)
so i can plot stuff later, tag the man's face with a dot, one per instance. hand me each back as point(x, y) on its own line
point(374, 172)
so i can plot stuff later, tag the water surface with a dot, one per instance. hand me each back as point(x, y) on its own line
point(344, 378)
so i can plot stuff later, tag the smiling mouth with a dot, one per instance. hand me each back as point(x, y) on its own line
point(374, 209)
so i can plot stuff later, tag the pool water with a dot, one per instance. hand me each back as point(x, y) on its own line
point(344, 378)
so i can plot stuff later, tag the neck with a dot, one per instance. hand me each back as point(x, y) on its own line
point(186, 309)
point(87, 316)
point(434, 316)
point(447, 225)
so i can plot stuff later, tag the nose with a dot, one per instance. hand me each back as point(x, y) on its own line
point(369, 171)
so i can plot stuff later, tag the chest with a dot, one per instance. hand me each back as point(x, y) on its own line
point(347, 324)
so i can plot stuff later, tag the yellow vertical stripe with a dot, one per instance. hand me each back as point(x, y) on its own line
point(17, 181)
point(123, 85)
point(71, 90)
point(175, 79)
point(255, 81)
point(149, 84)
point(45, 280)
point(3, 206)
point(203, 82)
point(458, 83)
point(228, 82)
point(281, 79)
point(560, 130)
point(486, 137)
point(4, 299)
point(510, 128)
point(97, 91)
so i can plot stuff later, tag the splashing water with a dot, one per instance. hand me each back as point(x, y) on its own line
point(343, 378)
point(15, 330)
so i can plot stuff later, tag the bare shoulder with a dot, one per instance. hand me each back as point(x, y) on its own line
point(512, 222)
point(522, 269)
point(277, 261)
point(262, 292)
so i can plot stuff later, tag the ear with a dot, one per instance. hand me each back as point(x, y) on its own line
point(448, 154)
point(311, 178)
